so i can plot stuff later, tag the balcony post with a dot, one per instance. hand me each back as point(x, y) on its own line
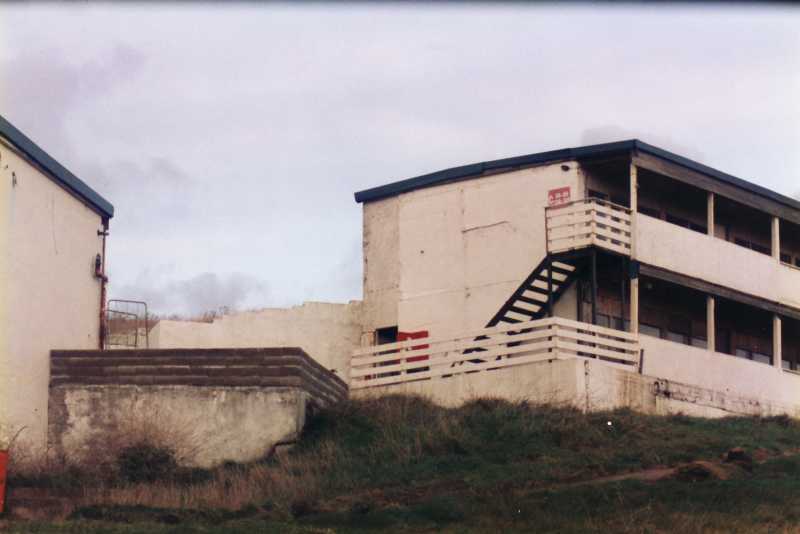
point(634, 202)
point(776, 238)
point(594, 285)
point(633, 275)
point(777, 341)
point(711, 323)
point(710, 214)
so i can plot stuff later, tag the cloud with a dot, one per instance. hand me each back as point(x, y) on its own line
point(42, 89)
point(610, 133)
point(196, 295)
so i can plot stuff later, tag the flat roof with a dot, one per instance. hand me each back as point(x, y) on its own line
point(466, 172)
point(56, 172)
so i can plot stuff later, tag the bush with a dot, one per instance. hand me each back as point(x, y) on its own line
point(146, 463)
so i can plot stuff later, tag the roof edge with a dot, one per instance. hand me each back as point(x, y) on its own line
point(466, 172)
point(55, 170)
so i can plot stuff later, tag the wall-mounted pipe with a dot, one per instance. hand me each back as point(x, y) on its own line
point(100, 273)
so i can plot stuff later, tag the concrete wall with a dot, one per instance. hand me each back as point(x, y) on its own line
point(327, 332)
point(445, 258)
point(720, 372)
point(50, 297)
point(205, 425)
point(700, 256)
point(588, 385)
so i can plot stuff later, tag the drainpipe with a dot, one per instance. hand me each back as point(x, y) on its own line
point(100, 273)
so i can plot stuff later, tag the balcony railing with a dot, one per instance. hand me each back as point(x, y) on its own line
point(489, 349)
point(588, 222)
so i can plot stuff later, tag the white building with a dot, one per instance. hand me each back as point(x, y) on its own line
point(672, 273)
point(52, 234)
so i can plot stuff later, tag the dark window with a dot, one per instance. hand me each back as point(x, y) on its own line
point(742, 242)
point(762, 358)
point(649, 330)
point(797, 261)
point(743, 353)
point(786, 258)
point(386, 335)
point(620, 201)
point(680, 221)
point(650, 212)
point(698, 228)
point(700, 342)
point(597, 194)
point(603, 320)
point(762, 250)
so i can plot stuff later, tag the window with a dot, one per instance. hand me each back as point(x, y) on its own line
point(597, 194)
point(652, 212)
point(700, 342)
point(386, 335)
point(698, 228)
point(797, 261)
point(786, 258)
point(677, 337)
point(649, 330)
point(762, 358)
point(620, 201)
point(680, 221)
point(762, 250)
point(759, 357)
point(603, 320)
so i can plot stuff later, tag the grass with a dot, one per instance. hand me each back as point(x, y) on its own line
point(404, 464)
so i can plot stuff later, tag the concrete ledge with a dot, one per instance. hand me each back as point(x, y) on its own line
point(209, 405)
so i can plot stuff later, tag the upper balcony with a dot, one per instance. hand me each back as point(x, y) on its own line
point(589, 222)
point(672, 247)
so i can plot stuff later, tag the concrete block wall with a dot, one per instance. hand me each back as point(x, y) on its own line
point(210, 405)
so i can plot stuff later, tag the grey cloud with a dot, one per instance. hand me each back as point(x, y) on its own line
point(201, 293)
point(605, 134)
point(42, 88)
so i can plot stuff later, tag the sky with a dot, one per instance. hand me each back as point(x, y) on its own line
point(231, 139)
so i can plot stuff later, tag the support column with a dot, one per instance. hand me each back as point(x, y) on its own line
point(594, 285)
point(777, 341)
point(634, 277)
point(634, 202)
point(776, 238)
point(711, 323)
point(710, 214)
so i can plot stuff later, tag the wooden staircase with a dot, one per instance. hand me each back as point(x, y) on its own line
point(530, 300)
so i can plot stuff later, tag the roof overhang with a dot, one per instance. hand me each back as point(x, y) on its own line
point(606, 150)
point(54, 170)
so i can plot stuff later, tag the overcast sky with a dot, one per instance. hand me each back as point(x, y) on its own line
point(231, 139)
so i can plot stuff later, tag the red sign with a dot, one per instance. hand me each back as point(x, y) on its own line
point(557, 197)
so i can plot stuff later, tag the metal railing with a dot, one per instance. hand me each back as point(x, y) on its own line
point(587, 222)
point(491, 348)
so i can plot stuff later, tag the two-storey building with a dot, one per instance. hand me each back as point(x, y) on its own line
point(682, 279)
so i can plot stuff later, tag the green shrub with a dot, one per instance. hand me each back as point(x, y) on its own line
point(146, 463)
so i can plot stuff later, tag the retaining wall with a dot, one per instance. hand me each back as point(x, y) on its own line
point(210, 405)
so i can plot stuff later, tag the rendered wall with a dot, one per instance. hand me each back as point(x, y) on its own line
point(720, 372)
point(700, 256)
point(327, 332)
point(52, 298)
point(588, 385)
point(205, 425)
point(463, 249)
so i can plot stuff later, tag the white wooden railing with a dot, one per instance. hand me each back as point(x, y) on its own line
point(588, 222)
point(491, 348)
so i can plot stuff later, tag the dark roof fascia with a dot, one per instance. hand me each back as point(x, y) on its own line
point(467, 172)
point(54, 169)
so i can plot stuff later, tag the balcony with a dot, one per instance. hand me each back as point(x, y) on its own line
point(498, 347)
point(697, 255)
point(588, 222)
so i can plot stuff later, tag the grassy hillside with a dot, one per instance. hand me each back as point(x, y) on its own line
point(403, 464)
